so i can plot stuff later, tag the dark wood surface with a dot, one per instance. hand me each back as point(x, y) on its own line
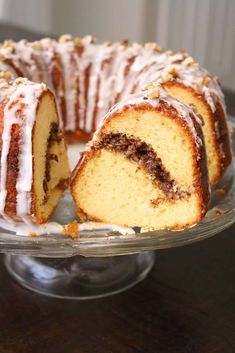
point(186, 305)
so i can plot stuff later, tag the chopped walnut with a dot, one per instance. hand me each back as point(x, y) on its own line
point(65, 38)
point(43, 85)
point(153, 46)
point(149, 86)
point(124, 42)
point(20, 81)
point(37, 45)
point(166, 77)
point(8, 44)
point(169, 73)
point(153, 93)
point(206, 80)
point(88, 40)
point(107, 43)
point(5, 74)
point(77, 40)
point(188, 61)
point(172, 70)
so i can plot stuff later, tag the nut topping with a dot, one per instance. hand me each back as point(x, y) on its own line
point(206, 80)
point(65, 38)
point(77, 40)
point(88, 40)
point(153, 46)
point(188, 61)
point(107, 43)
point(153, 93)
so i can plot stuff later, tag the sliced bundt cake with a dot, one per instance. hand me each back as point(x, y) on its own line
point(146, 165)
point(34, 167)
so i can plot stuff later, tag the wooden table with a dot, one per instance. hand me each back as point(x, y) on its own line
point(186, 305)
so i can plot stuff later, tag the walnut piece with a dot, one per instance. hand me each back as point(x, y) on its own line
point(65, 38)
point(188, 61)
point(153, 93)
point(206, 80)
point(153, 46)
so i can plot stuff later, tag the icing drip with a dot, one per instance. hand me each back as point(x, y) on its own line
point(57, 228)
point(66, 51)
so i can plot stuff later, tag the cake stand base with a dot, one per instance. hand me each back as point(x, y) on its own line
point(79, 277)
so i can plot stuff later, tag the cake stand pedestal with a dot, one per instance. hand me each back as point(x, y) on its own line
point(80, 277)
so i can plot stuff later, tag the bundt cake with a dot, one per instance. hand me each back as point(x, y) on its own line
point(34, 167)
point(145, 166)
point(89, 78)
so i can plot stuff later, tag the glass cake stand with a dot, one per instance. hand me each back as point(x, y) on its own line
point(102, 262)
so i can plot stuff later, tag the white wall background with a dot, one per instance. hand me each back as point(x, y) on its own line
point(205, 28)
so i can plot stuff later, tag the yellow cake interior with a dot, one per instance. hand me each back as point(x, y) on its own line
point(46, 194)
point(114, 189)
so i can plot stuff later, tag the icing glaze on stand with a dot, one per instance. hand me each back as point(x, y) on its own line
point(20, 228)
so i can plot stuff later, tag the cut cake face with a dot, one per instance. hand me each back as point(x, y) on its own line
point(146, 165)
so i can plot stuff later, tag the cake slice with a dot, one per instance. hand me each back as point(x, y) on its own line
point(34, 166)
point(146, 165)
point(191, 84)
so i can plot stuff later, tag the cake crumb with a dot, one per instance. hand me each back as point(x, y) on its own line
point(220, 192)
point(72, 230)
point(153, 46)
point(32, 234)
point(155, 202)
point(218, 212)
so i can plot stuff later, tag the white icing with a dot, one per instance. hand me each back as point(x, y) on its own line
point(26, 53)
point(106, 226)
